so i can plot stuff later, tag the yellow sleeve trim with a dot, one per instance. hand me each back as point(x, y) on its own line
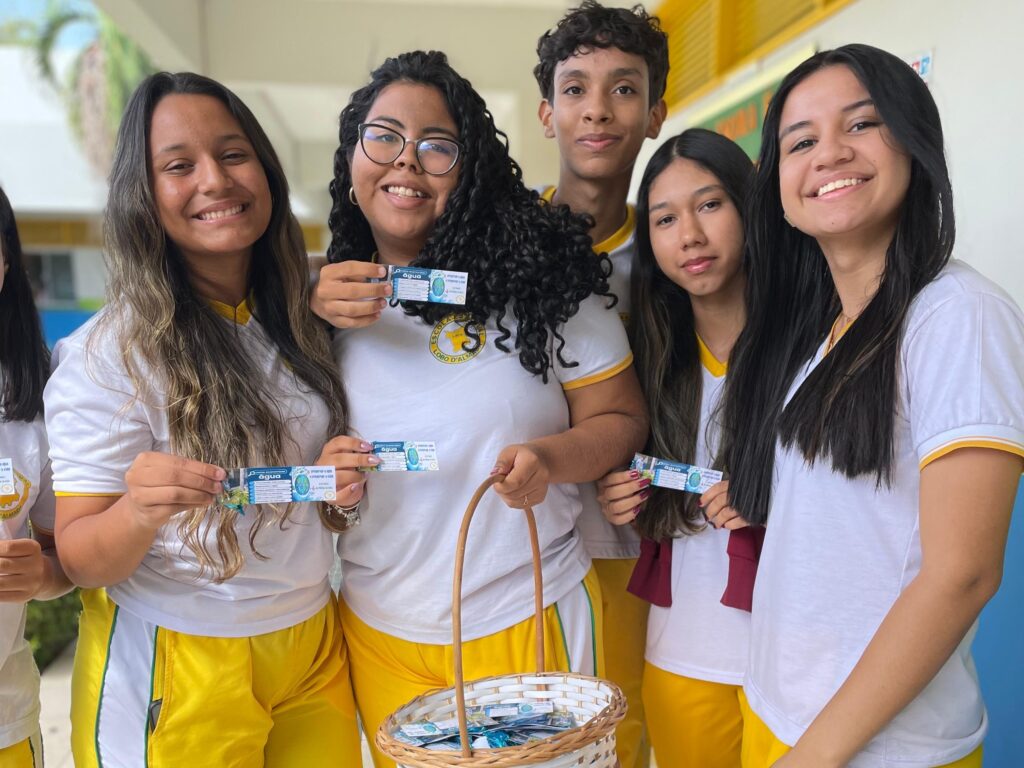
point(715, 366)
point(70, 495)
point(586, 381)
point(620, 235)
point(993, 443)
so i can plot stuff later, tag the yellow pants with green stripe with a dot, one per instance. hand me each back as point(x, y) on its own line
point(143, 695)
point(24, 754)
point(625, 641)
point(761, 748)
point(388, 672)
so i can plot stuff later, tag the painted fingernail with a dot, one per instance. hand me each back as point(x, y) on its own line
point(645, 482)
point(634, 474)
point(354, 487)
point(365, 446)
point(373, 460)
point(636, 511)
point(381, 271)
point(645, 494)
point(700, 504)
point(496, 469)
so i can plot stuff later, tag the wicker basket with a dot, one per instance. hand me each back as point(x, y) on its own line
point(599, 704)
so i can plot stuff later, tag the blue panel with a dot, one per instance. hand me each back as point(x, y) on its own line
point(58, 323)
point(999, 653)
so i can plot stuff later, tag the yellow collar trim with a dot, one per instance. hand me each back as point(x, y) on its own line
point(614, 240)
point(240, 314)
point(714, 366)
point(621, 235)
point(836, 334)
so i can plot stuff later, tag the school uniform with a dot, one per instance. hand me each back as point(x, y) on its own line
point(840, 551)
point(171, 665)
point(27, 499)
point(697, 648)
point(448, 383)
point(615, 548)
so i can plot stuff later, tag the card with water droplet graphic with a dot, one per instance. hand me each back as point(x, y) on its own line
point(436, 286)
point(407, 456)
point(675, 475)
point(278, 485)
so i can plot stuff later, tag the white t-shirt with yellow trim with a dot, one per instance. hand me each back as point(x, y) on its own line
point(603, 540)
point(444, 383)
point(25, 444)
point(697, 636)
point(97, 428)
point(838, 552)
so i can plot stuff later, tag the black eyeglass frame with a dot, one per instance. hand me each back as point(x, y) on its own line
point(460, 147)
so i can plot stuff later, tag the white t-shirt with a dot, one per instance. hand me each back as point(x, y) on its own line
point(97, 428)
point(407, 380)
point(25, 444)
point(838, 552)
point(603, 540)
point(697, 636)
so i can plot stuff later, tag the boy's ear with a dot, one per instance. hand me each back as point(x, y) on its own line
point(658, 114)
point(546, 114)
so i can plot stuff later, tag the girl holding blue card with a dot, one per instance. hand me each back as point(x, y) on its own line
point(216, 638)
point(29, 569)
point(688, 309)
point(531, 378)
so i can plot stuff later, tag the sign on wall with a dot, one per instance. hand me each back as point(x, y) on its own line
point(743, 120)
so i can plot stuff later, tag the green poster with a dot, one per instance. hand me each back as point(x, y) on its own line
point(742, 121)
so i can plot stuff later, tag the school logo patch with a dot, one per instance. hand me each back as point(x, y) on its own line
point(11, 504)
point(457, 338)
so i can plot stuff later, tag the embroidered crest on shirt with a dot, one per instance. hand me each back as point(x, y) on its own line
point(11, 505)
point(455, 338)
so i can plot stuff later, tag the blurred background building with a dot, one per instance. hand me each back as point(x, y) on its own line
point(67, 66)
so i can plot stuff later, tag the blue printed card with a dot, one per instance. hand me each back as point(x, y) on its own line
point(405, 456)
point(437, 286)
point(278, 485)
point(672, 474)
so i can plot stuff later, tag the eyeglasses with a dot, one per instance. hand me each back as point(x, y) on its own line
point(383, 145)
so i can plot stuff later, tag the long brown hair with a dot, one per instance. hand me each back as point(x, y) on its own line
point(663, 335)
point(216, 400)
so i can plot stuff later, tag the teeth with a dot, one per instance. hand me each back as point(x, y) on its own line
point(839, 184)
point(404, 191)
point(214, 215)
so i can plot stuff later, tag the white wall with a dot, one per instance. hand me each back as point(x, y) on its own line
point(976, 81)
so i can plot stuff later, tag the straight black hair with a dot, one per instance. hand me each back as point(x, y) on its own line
point(24, 356)
point(663, 334)
point(844, 412)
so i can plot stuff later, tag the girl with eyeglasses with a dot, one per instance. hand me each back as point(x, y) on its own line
point(874, 416)
point(532, 379)
point(29, 569)
point(209, 634)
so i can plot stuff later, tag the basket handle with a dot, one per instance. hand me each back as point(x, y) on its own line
point(538, 602)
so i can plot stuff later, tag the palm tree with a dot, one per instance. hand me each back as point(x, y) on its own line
point(100, 80)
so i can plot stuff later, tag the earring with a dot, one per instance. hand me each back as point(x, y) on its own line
point(352, 197)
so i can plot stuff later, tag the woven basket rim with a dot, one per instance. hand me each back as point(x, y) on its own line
point(561, 743)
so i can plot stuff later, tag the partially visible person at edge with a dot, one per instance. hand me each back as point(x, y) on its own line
point(602, 73)
point(874, 415)
point(531, 379)
point(29, 569)
point(216, 640)
point(688, 310)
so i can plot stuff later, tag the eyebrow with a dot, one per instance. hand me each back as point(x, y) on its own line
point(697, 193)
point(849, 108)
point(220, 140)
point(427, 130)
point(579, 74)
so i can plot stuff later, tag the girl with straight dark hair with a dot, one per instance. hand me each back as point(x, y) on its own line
point(216, 639)
point(874, 416)
point(29, 569)
point(688, 310)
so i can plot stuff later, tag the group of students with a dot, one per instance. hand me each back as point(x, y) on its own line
point(799, 323)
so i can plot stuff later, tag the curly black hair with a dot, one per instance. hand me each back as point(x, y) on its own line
point(522, 256)
point(592, 25)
